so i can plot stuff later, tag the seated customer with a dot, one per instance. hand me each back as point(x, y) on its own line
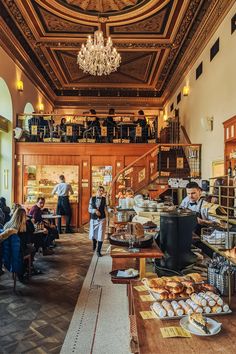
point(195, 202)
point(13, 246)
point(36, 213)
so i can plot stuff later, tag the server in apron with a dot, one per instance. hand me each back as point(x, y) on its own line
point(195, 202)
point(97, 227)
point(63, 190)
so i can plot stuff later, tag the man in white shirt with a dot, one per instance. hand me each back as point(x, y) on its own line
point(195, 202)
point(63, 190)
point(97, 228)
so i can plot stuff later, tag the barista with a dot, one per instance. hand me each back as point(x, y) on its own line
point(194, 201)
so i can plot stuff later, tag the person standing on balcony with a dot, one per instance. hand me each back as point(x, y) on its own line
point(63, 190)
point(97, 227)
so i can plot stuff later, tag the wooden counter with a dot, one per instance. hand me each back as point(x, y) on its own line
point(149, 339)
point(124, 259)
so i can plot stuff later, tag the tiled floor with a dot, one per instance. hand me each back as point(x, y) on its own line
point(36, 319)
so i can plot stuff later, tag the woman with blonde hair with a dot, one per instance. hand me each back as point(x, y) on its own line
point(17, 221)
point(12, 253)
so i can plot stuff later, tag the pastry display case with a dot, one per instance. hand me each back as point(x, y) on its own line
point(101, 176)
point(40, 180)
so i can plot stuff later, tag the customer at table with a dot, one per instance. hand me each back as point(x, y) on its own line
point(63, 190)
point(195, 202)
point(36, 213)
point(97, 227)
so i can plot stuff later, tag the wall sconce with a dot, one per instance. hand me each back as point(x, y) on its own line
point(118, 164)
point(20, 86)
point(41, 107)
point(165, 117)
point(185, 90)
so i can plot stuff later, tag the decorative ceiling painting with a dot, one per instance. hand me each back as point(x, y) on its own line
point(157, 40)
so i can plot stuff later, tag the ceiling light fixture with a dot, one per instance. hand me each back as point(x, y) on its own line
point(98, 56)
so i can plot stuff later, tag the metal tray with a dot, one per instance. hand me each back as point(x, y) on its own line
point(178, 317)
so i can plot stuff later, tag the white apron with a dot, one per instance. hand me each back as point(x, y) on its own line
point(97, 229)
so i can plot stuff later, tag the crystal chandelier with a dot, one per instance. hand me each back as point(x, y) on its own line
point(98, 57)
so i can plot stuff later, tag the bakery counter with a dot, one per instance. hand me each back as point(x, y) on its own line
point(146, 337)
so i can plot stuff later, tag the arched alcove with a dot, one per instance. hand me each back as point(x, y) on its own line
point(6, 110)
point(28, 109)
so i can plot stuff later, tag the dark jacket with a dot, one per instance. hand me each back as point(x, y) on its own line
point(12, 255)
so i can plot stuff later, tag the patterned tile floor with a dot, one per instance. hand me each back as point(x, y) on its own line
point(36, 319)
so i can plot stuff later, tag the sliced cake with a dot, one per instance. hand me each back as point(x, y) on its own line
point(199, 322)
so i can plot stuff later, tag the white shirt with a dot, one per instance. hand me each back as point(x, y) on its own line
point(198, 207)
point(62, 189)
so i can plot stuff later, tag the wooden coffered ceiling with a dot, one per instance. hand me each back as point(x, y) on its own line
point(157, 39)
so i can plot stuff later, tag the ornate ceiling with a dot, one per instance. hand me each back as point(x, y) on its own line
point(157, 40)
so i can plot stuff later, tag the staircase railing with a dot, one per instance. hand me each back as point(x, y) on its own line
point(157, 165)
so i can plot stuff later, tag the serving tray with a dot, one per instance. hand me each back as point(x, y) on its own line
point(178, 317)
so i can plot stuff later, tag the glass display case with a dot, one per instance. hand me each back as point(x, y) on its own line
point(101, 176)
point(40, 181)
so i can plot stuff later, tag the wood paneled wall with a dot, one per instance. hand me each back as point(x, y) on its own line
point(83, 155)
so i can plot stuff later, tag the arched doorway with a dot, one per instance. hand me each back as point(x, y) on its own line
point(6, 110)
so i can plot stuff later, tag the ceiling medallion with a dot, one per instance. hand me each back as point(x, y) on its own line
point(98, 56)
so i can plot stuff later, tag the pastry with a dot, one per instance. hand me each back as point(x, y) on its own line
point(210, 301)
point(174, 287)
point(159, 309)
point(195, 277)
point(155, 282)
point(177, 308)
point(225, 308)
point(195, 307)
point(169, 309)
point(198, 299)
point(164, 295)
point(190, 290)
point(206, 309)
point(187, 309)
point(208, 287)
point(216, 309)
point(198, 321)
point(217, 298)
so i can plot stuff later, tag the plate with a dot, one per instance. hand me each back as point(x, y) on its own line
point(213, 326)
point(114, 274)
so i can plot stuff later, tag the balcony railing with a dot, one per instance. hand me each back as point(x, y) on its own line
point(86, 128)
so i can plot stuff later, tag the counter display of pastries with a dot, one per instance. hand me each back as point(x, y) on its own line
point(204, 303)
point(172, 288)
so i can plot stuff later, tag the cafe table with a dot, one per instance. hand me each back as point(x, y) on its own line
point(123, 258)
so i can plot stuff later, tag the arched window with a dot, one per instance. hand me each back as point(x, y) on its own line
point(28, 109)
point(6, 110)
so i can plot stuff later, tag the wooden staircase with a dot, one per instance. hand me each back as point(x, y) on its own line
point(149, 173)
